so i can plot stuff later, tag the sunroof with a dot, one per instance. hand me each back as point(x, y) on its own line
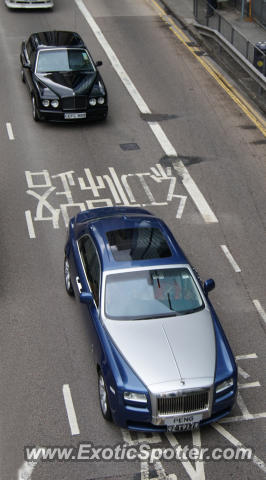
point(138, 244)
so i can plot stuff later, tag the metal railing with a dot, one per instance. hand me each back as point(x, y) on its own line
point(206, 15)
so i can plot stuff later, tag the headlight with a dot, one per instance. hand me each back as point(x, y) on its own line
point(46, 103)
point(55, 103)
point(100, 100)
point(225, 385)
point(135, 397)
point(92, 101)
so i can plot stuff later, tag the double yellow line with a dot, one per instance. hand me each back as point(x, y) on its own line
point(251, 113)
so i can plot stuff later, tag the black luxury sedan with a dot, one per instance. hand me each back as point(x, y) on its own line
point(63, 80)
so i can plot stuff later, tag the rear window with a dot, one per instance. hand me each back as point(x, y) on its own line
point(138, 244)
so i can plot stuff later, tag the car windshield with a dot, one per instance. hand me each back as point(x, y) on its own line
point(64, 60)
point(151, 293)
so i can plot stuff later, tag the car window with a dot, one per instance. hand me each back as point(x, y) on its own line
point(138, 244)
point(91, 265)
point(151, 293)
point(28, 47)
point(64, 60)
point(30, 51)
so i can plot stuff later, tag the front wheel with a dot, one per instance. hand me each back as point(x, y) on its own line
point(35, 113)
point(103, 398)
point(22, 76)
point(68, 283)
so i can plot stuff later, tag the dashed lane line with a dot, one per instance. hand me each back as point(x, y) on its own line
point(230, 258)
point(71, 414)
point(260, 310)
point(10, 131)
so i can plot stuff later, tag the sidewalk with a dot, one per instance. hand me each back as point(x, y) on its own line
point(183, 11)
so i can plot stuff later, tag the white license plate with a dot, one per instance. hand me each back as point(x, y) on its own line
point(187, 422)
point(71, 116)
point(183, 428)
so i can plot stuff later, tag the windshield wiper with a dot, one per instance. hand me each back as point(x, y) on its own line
point(160, 315)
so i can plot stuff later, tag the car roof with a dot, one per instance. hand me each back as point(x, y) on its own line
point(102, 223)
point(56, 38)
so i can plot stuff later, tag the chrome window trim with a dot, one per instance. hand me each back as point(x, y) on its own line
point(84, 270)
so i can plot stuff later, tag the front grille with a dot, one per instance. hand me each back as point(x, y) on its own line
point(191, 402)
point(30, 1)
point(78, 102)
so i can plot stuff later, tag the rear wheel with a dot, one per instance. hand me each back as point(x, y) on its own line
point(103, 397)
point(68, 283)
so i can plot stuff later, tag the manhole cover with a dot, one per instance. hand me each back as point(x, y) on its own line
point(129, 146)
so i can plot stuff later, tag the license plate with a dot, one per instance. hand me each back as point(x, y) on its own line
point(179, 424)
point(183, 428)
point(71, 116)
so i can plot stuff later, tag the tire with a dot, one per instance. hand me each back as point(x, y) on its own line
point(103, 398)
point(35, 113)
point(67, 278)
point(22, 76)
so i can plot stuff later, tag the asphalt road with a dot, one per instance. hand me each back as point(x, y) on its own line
point(195, 159)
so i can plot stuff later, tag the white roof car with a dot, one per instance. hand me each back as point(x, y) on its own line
point(29, 3)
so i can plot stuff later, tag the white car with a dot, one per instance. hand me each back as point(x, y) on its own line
point(29, 3)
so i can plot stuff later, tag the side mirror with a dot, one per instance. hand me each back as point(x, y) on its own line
point(99, 63)
point(25, 64)
point(208, 285)
point(85, 297)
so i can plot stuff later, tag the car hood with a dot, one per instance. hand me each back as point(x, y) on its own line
point(68, 83)
point(168, 350)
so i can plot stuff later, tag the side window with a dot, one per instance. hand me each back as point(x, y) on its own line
point(29, 48)
point(91, 265)
point(30, 52)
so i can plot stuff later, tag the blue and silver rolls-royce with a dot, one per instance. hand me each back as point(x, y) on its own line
point(163, 360)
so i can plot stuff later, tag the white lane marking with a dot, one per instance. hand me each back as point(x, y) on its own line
point(195, 193)
point(166, 145)
point(70, 410)
point(244, 409)
point(246, 357)
point(197, 473)
point(26, 469)
point(10, 131)
point(30, 224)
point(112, 188)
point(260, 309)
point(141, 104)
point(257, 461)
point(236, 419)
point(141, 438)
point(181, 207)
point(230, 258)
point(248, 385)
point(243, 373)
point(119, 186)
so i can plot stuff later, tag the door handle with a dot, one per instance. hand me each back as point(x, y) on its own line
point(79, 285)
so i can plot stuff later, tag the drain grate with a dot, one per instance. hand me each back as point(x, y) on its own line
point(129, 146)
point(200, 53)
point(192, 44)
point(157, 117)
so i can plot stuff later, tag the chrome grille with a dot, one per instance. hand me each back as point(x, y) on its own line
point(79, 102)
point(31, 1)
point(191, 402)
